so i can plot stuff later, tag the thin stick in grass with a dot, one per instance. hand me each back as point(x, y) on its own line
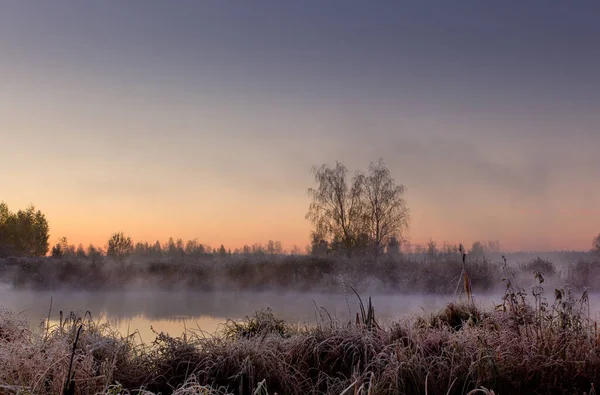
point(69, 388)
point(48, 319)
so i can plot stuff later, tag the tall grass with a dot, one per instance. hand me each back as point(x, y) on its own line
point(543, 347)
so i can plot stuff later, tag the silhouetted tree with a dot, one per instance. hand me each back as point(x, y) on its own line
point(356, 215)
point(493, 246)
point(61, 247)
point(274, 247)
point(296, 250)
point(24, 233)
point(4, 235)
point(56, 251)
point(336, 211)
point(192, 247)
point(480, 249)
point(95, 254)
point(450, 251)
point(119, 246)
point(258, 249)
point(68, 249)
point(432, 250)
point(170, 247)
point(477, 250)
point(175, 249)
point(140, 249)
point(179, 248)
point(596, 245)
point(4, 213)
point(80, 252)
point(157, 249)
point(385, 209)
point(32, 232)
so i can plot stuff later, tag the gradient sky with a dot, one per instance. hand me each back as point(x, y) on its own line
point(203, 118)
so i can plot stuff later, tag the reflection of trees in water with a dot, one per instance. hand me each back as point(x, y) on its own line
point(176, 305)
point(120, 321)
point(185, 306)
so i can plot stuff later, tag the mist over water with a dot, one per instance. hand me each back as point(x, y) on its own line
point(140, 305)
point(174, 312)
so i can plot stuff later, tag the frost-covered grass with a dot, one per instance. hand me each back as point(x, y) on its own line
point(521, 347)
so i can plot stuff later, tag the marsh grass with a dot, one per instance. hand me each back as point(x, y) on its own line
point(543, 347)
point(546, 347)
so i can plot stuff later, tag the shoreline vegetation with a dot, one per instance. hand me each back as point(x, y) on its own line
point(429, 272)
point(530, 343)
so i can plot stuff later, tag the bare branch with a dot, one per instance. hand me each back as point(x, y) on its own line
point(367, 211)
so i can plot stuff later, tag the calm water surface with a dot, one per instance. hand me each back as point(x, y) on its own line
point(205, 313)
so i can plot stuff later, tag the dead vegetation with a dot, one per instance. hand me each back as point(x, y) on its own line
point(542, 348)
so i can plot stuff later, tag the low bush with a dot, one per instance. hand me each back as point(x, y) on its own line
point(539, 265)
point(269, 272)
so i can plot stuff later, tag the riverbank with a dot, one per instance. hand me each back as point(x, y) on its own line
point(405, 274)
point(521, 347)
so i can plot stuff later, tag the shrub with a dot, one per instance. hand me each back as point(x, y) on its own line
point(263, 322)
point(584, 273)
point(119, 246)
point(539, 265)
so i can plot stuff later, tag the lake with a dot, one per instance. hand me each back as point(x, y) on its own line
point(203, 312)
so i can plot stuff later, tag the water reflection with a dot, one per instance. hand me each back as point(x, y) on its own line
point(144, 330)
point(175, 312)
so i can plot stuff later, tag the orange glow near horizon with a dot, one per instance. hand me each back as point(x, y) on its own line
point(286, 224)
point(163, 126)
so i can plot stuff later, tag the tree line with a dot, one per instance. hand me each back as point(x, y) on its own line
point(120, 246)
point(24, 233)
point(365, 214)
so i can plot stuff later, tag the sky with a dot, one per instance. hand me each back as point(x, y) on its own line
point(202, 119)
